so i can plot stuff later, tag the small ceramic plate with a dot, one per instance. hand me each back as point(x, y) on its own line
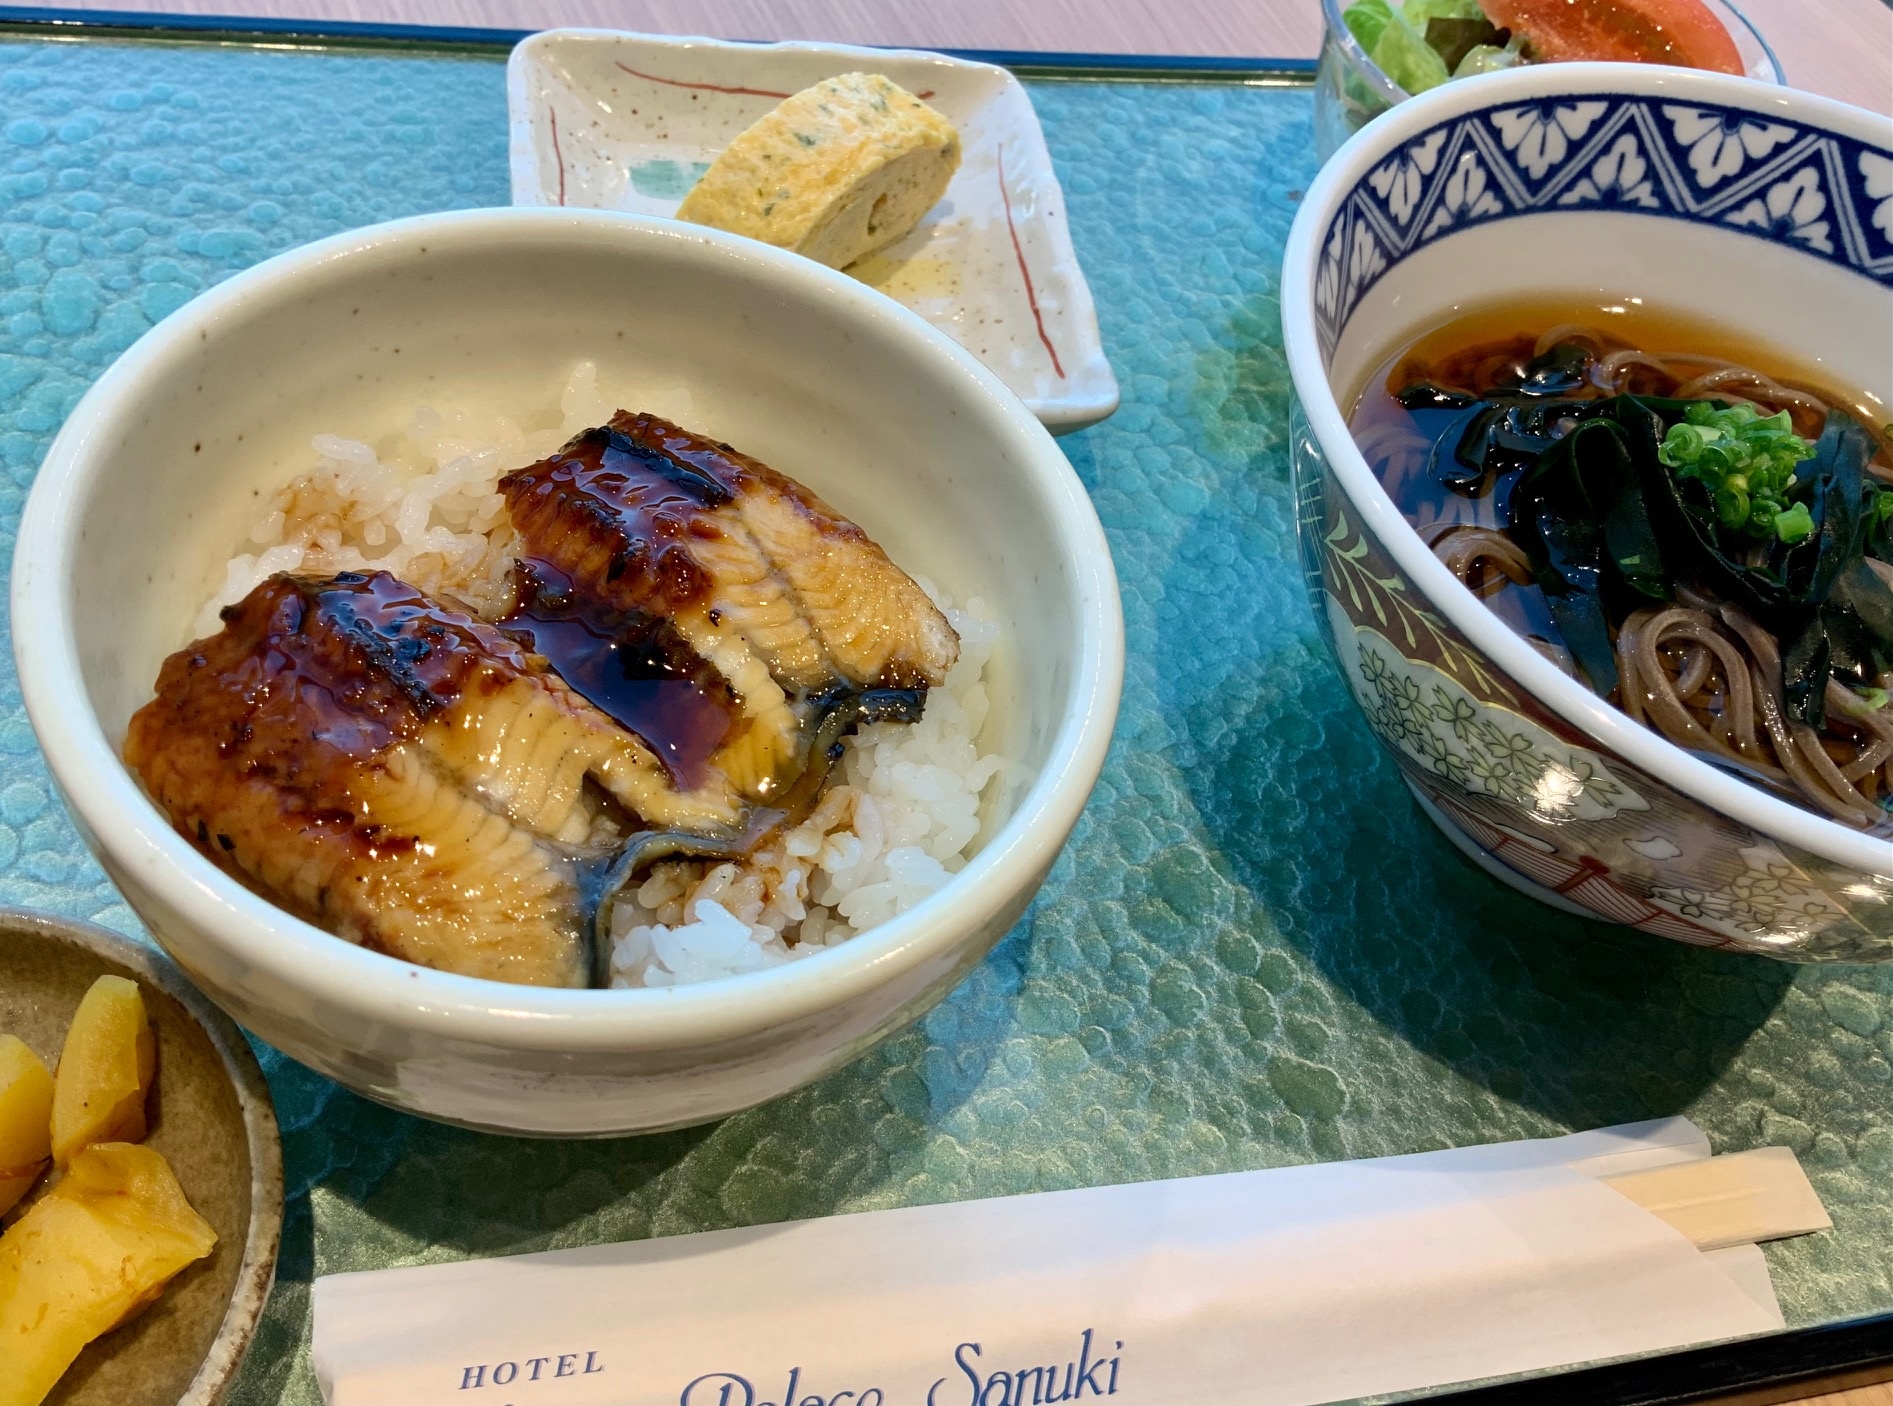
point(612, 121)
point(214, 1123)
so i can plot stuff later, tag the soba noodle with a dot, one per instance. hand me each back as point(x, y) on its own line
point(1483, 557)
point(1698, 670)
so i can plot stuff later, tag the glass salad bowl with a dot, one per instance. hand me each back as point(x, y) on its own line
point(1351, 89)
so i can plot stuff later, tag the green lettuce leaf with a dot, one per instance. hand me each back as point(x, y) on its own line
point(1418, 12)
point(1405, 57)
point(1488, 58)
point(1366, 20)
point(1452, 40)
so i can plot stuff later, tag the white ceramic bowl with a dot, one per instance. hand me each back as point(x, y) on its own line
point(1760, 208)
point(154, 480)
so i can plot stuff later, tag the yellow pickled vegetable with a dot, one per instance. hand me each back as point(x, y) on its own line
point(104, 1071)
point(26, 1107)
point(85, 1257)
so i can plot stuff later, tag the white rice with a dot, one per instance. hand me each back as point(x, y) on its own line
point(423, 503)
point(897, 818)
point(892, 827)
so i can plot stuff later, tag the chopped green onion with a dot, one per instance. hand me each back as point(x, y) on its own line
point(1863, 699)
point(1795, 525)
point(1746, 460)
point(1879, 506)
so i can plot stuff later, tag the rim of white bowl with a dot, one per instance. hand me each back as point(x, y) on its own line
point(250, 929)
point(1547, 683)
point(1724, 10)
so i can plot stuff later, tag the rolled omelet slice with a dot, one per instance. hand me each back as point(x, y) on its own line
point(834, 173)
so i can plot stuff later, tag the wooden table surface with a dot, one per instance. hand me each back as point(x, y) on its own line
point(1840, 48)
point(1879, 1395)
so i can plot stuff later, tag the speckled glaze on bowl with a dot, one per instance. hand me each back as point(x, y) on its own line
point(211, 1118)
point(604, 120)
point(1756, 207)
point(153, 482)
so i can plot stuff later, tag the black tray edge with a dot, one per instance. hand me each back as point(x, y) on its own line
point(1749, 1370)
point(46, 23)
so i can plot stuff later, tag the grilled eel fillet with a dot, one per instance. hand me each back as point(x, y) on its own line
point(414, 780)
point(788, 601)
point(402, 775)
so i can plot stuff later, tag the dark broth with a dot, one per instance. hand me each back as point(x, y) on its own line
point(1639, 352)
point(1474, 349)
point(1483, 346)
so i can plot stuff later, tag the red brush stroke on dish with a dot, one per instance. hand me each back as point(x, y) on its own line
point(703, 87)
point(557, 155)
point(1031, 295)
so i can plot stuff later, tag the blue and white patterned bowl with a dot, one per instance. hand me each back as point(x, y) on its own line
point(1758, 208)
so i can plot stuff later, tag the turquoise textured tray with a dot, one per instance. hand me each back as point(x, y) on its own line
point(1255, 950)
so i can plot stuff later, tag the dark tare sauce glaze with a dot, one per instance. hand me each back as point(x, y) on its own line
point(357, 662)
point(307, 679)
point(607, 526)
point(631, 666)
point(619, 514)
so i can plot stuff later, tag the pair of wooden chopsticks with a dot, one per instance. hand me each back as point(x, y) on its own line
point(1740, 1199)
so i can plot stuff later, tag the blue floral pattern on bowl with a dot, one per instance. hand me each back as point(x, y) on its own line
point(1778, 180)
point(1538, 802)
point(1534, 798)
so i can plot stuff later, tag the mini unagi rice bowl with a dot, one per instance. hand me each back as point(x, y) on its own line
point(422, 502)
point(329, 432)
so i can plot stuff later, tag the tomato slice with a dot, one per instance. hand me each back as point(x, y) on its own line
point(1680, 32)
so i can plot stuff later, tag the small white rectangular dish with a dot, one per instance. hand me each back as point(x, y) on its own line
point(612, 121)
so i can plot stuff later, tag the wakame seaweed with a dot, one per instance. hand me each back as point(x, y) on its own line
point(1578, 511)
point(1610, 528)
point(1492, 436)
